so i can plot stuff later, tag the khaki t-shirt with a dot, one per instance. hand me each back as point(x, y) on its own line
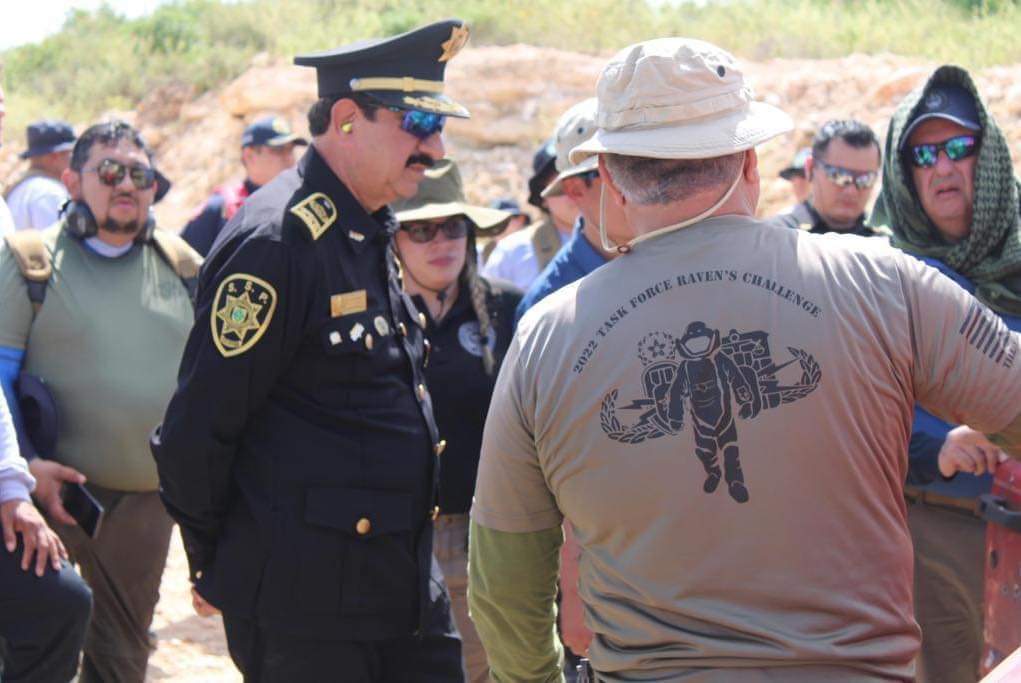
point(108, 341)
point(723, 416)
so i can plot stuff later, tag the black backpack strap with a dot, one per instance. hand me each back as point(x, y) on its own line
point(34, 262)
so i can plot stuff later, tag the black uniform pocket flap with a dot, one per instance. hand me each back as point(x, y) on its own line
point(361, 513)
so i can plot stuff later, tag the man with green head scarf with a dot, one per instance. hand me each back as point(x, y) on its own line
point(951, 198)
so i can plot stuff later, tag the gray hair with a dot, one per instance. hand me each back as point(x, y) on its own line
point(660, 181)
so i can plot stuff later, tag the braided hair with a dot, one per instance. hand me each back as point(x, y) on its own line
point(474, 286)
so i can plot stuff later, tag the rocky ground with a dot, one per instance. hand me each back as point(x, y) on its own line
point(515, 94)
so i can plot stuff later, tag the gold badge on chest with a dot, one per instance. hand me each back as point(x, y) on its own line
point(241, 313)
point(348, 303)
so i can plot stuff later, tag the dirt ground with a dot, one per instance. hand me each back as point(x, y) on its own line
point(515, 94)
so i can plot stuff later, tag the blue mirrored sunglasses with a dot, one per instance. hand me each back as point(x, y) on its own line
point(419, 123)
point(956, 148)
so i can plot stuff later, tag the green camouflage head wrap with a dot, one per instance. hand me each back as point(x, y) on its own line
point(991, 254)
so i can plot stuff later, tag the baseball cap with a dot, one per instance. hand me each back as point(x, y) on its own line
point(48, 136)
point(797, 165)
point(945, 101)
point(271, 131)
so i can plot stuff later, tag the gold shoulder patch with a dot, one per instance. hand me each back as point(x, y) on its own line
point(317, 212)
point(242, 309)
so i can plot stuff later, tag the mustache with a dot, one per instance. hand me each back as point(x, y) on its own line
point(422, 159)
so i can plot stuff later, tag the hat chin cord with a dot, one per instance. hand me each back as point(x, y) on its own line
point(625, 248)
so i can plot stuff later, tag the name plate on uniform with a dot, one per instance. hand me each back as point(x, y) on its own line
point(348, 303)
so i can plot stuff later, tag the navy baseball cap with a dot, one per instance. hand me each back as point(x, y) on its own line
point(945, 101)
point(48, 136)
point(507, 204)
point(543, 164)
point(271, 131)
point(404, 71)
point(797, 165)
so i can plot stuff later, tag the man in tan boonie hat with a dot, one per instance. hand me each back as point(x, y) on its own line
point(722, 415)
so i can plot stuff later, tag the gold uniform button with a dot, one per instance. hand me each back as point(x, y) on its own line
point(403, 329)
point(435, 513)
point(363, 526)
point(421, 392)
point(440, 447)
point(421, 319)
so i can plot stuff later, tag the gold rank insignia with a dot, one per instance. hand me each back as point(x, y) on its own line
point(458, 37)
point(241, 313)
point(317, 212)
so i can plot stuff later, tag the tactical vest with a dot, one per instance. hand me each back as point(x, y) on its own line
point(36, 263)
point(30, 173)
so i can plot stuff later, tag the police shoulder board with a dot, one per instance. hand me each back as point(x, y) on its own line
point(317, 212)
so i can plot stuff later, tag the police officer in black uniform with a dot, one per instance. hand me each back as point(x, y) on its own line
point(299, 454)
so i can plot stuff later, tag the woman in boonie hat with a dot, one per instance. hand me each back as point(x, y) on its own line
point(468, 322)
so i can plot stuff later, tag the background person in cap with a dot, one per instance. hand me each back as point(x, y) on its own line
point(711, 404)
point(521, 256)
point(842, 169)
point(35, 198)
point(299, 454)
point(794, 173)
point(267, 149)
point(581, 185)
point(951, 197)
point(519, 219)
point(469, 324)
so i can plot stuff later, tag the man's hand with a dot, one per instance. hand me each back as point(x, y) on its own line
point(202, 608)
point(966, 450)
point(49, 478)
point(21, 517)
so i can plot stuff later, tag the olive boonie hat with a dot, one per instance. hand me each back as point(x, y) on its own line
point(405, 71)
point(575, 126)
point(441, 194)
point(678, 98)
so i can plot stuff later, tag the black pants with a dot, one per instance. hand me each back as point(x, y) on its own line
point(268, 656)
point(42, 621)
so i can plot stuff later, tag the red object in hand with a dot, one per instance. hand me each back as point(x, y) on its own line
point(1001, 508)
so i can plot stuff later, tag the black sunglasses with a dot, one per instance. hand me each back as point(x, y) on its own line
point(956, 148)
point(111, 173)
point(423, 232)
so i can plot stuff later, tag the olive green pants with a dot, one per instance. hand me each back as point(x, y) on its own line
point(450, 546)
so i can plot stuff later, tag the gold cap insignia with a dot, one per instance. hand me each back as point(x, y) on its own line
point(458, 37)
point(317, 212)
point(241, 314)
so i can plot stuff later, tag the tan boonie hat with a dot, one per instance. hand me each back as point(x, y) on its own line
point(678, 98)
point(441, 194)
point(575, 126)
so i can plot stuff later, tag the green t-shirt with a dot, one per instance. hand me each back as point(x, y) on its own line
point(108, 341)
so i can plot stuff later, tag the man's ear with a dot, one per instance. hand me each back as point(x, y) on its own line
point(344, 111)
point(73, 182)
point(751, 166)
point(609, 184)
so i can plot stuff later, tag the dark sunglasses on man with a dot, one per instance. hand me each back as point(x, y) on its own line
point(423, 232)
point(845, 177)
point(956, 148)
point(111, 173)
point(419, 123)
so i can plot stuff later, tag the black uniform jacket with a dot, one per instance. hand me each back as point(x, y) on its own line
point(461, 389)
point(298, 453)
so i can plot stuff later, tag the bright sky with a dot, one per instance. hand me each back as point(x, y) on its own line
point(35, 20)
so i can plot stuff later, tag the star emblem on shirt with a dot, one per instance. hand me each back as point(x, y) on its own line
point(239, 316)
